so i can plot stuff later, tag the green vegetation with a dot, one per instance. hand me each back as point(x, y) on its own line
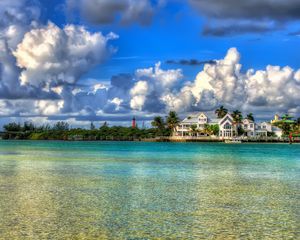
point(211, 129)
point(159, 124)
point(240, 131)
point(250, 117)
point(221, 112)
point(172, 120)
point(237, 116)
point(161, 127)
point(62, 131)
point(194, 129)
point(288, 125)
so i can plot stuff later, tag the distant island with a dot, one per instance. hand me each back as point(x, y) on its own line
point(195, 127)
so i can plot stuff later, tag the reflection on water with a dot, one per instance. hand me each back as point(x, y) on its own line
point(85, 190)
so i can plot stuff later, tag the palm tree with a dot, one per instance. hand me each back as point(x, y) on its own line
point(158, 122)
point(208, 129)
point(194, 129)
point(92, 126)
point(237, 116)
point(172, 120)
point(221, 112)
point(250, 117)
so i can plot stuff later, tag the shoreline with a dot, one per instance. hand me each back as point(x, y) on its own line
point(167, 140)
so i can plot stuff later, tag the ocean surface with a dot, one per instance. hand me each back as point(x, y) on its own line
point(136, 190)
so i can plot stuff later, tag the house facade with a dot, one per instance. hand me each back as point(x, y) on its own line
point(227, 127)
point(195, 125)
point(262, 129)
point(249, 127)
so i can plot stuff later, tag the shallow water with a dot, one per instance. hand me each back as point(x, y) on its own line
point(126, 190)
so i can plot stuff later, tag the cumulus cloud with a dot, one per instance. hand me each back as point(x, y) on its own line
point(217, 83)
point(152, 84)
point(16, 18)
point(51, 55)
point(109, 11)
point(255, 16)
point(40, 64)
point(274, 89)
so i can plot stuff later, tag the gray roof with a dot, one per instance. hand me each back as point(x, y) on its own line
point(214, 120)
point(193, 119)
point(248, 120)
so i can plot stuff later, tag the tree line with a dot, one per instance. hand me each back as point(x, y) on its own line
point(62, 131)
point(160, 127)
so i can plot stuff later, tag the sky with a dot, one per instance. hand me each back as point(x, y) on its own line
point(109, 60)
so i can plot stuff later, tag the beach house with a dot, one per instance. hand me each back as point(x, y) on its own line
point(194, 125)
point(262, 129)
point(227, 127)
point(249, 127)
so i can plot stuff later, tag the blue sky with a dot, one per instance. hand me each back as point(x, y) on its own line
point(175, 33)
point(172, 32)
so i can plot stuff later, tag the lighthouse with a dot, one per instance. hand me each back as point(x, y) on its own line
point(133, 123)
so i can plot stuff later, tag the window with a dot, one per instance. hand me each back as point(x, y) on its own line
point(202, 120)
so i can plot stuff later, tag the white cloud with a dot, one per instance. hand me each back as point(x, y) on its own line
point(51, 55)
point(274, 89)
point(49, 107)
point(222, 80)
point(139, 94)
point(51, 60)
point(16, 18)
point(152, 85)
point(39, 64)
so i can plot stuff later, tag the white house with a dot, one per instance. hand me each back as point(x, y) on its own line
point(227, 128)
point(248, 127)
point(198, 120)
point(262, 129)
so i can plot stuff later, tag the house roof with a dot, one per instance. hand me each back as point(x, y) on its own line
point(190, 119)
point(225, 118)
point(246, 119)
point(214, 120)
point(193, 118)
point(261, 123)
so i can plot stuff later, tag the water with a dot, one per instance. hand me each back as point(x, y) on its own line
point(125, 190)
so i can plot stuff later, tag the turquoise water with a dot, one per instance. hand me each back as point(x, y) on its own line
point(126, 190)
